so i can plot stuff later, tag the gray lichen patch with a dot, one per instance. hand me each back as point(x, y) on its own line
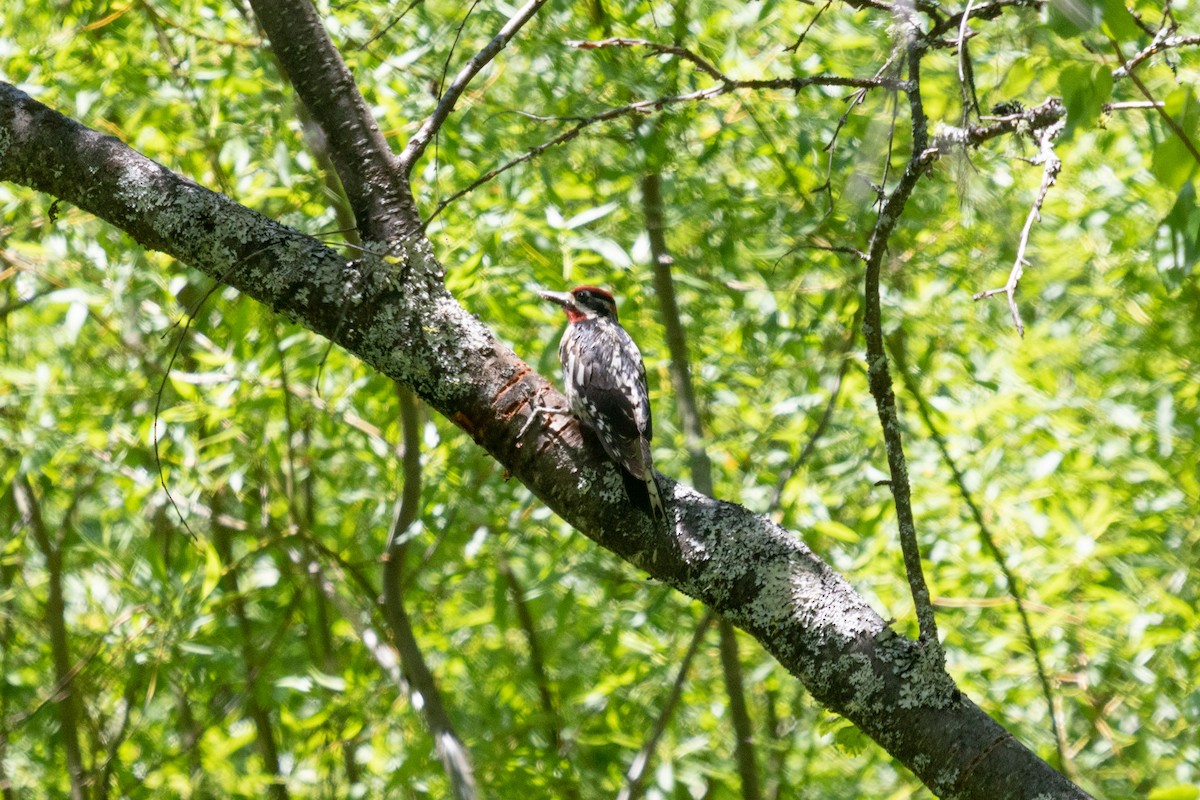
point(858, 671)
point(926, 684)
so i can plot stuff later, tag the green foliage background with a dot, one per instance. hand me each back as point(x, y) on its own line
point(1079, 442)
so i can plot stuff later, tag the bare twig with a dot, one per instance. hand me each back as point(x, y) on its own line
point(989, 542)
point(662, 49)
point(421, 139)
point(983, 11)
point(390, 24)
point(1051, 165)
point(1163, 42)
point(1132, 105)
point(1170, 121)
point(795, 47)
point(794, 84)
point(823, 424)
point(657, 104)
point(966, 73)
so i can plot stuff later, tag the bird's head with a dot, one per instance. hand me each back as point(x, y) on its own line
point(584, 302)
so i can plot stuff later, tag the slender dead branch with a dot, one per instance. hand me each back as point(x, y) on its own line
point(795, 46)
point(453, 753)
point(635, 776)
point(662, 49)
point(879, 379)
point(794, 84)
point(643, 107)
point(421, 139)
point(1051, 166)
point(823, 424)
point(966, 72)
point(1166, 40)
point(985, 11)
point(66, 699)
point(391, 23)
point(989, 542)
point(1167, 119)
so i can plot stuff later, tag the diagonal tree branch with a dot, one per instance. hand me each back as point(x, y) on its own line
point(375, 185)
point(751, 571)
point(421, 139)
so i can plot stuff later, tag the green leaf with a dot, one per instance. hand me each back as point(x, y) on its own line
point(1085, 88)
point(1180, 791)
point(1173, 163)
point(1118, 22)
point(212, 570)
point(1071, 18)
point(1181, 227)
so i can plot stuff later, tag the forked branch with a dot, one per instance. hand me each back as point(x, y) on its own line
point(1051, 166)
point(421, 139)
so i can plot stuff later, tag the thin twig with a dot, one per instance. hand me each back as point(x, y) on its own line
point(879, 379)
point(989, 542)
point(1132, 105)
point(662, 49)
point(391, 23)
point(1051, 166)
point(811, 445)
point(795, 47)
point(984, 11)
point(1159, 45)
point(1170, 121)
point(966, 73)
point(421, 139)
point(657, 104)
point(707, 67)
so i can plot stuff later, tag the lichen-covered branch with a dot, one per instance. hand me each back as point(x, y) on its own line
point(374, 183)
point(880, 380)
point(751, 571)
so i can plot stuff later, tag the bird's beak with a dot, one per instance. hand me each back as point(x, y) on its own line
point(563, 299)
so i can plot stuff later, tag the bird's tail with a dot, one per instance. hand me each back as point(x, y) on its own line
point(643, 491)
point(644, 494)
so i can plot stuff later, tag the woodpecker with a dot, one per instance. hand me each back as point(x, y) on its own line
point(605, 382)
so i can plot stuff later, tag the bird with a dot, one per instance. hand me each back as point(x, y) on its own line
point(605, 383)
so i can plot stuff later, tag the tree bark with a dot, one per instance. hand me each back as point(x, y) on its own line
point(395, 314)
